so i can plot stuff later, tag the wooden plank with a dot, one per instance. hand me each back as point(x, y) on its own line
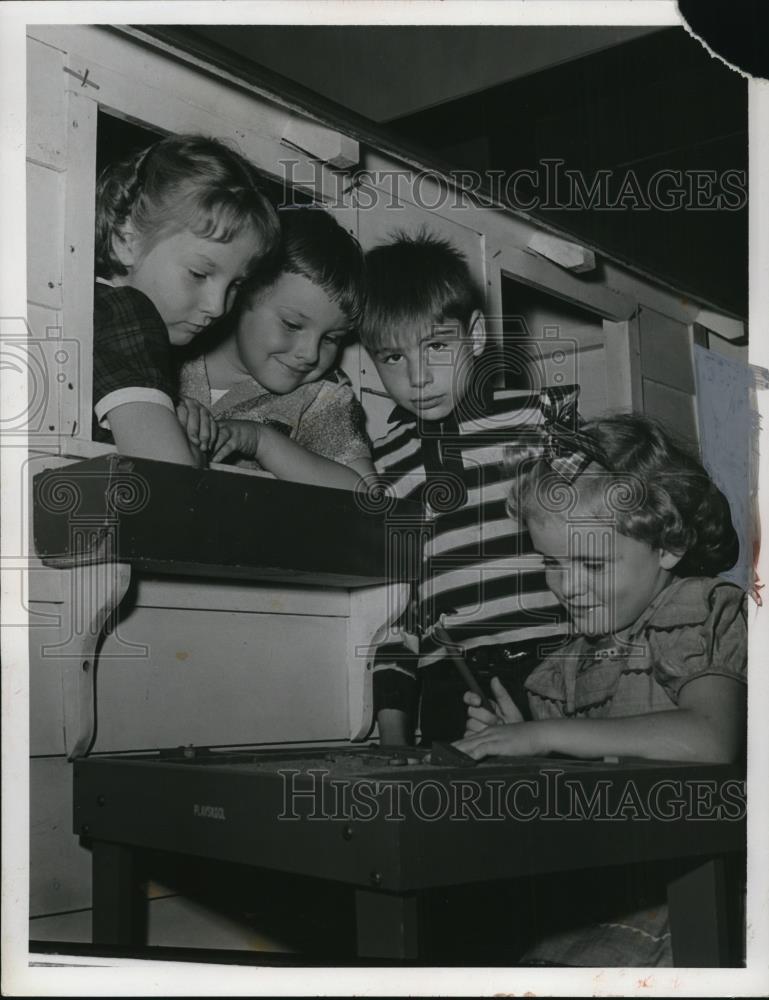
point(45, 235)
point(328, 145)
point(248, 598)
point(170, 678)
point(53, 363)
point(266, 533)
point(49, 587)
point(666, 352)
point(46, 717)
point(60, 869)
point(618, 363)
point(78, 257)
point(211, 678)
point(46, 121)
point(570, 256)
point(673, 408)
point(549, 278)
point(146, 87)
point(727, 327)
point(493, 290)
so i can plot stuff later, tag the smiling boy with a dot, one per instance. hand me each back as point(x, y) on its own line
point(424, 327)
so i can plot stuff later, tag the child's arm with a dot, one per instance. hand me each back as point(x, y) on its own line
point(285, 458)
point(199, 425)
point(149, 430)
point(134, 379)
point(708, 725)
point(394, 727)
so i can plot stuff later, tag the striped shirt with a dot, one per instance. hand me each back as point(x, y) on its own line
point(480, 578)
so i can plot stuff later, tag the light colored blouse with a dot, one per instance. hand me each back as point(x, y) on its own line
point(695, 626)
point(325, 417)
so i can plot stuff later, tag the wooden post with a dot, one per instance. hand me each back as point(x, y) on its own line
point(386, 924)
point(698, 917)
point(96, 589)
point(119, 904)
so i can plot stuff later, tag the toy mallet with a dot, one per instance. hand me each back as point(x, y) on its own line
point(444, 639)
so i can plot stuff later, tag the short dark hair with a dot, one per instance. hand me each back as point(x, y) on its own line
point(663, 495)
point(182, 181)
point(414, 281)
point(313, 244)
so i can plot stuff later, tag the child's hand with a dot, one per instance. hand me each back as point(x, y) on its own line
point(198, 422)
point(505, 709)
point(511, 740)
point(240, 436)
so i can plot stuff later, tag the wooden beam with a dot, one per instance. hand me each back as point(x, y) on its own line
point(570, 256)
point(540, 273)
point(197, 522)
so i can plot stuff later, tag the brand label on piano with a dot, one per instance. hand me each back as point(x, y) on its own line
point(208, 812)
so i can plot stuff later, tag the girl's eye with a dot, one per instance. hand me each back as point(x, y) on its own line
point(199, 275)
point(392, 359)
point(290, 325)
point(334, 341)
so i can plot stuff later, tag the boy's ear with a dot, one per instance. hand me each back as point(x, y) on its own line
point(124, 244)
point(669, 560)
point(477, 328)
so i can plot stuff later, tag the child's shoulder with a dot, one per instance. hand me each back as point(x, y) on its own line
point(698, 628)
point(695, 600)
point(122, 305)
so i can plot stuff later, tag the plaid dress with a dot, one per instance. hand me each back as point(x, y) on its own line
point(131, 350)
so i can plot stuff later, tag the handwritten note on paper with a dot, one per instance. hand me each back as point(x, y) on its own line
point(729, 443)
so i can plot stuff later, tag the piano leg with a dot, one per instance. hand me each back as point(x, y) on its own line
point(699, 913)
point(386, 924)
point(119, 901)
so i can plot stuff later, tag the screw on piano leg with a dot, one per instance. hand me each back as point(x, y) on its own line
point(387, 925)
point(119, 903)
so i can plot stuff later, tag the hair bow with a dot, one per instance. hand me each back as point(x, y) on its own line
point(567, 450)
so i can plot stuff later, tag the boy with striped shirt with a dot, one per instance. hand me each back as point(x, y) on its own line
point(481, 590)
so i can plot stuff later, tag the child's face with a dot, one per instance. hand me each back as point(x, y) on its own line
point(428, 371)
point(191, 280)
point(290, 334)
point(603, 579)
